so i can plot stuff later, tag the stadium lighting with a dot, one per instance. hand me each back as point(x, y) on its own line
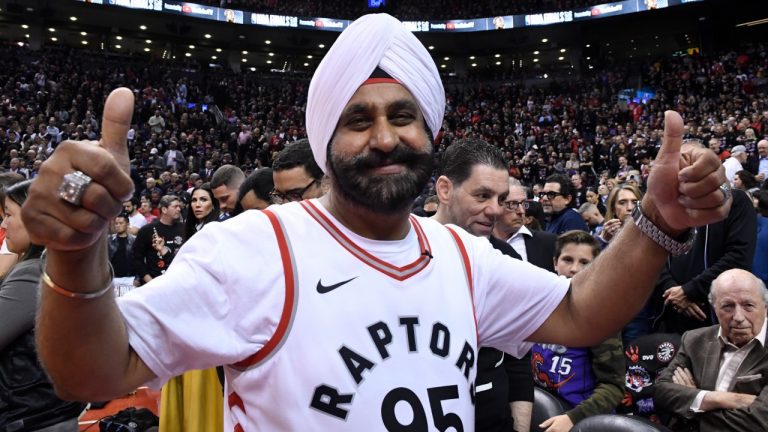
point(306, 64)
point(267, 41)
point(146, 49)
point(218, 49)
point(244, 60)
point(471, 57)
point(245, 52)
point(309, 56)
point(498, 63)
point(118, 37)
point(535, 60)
point(446, 58)
point(545, 40)
point(269, 61)
point(562, 50)
point(207, 36)
point(474, 64)
point(83, 34)
point(188, 54)
point(321, 46)
point(85, 42)
point(431, 47)
point(497, 55)
point(442, 66)
point(588, 45)
point(271, 54)
point(51, 29)
point(561, 58)
point(214, 57)
point(148, 41)
point(54, 39)
point(24, 26)
point(73, 18)
point(118, 46)
point(535, 53)
point(143, 27)
point(191, 47)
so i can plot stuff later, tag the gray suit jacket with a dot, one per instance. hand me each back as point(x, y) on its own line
point(700, 353)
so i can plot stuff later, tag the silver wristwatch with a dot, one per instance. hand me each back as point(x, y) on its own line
point(671, 245)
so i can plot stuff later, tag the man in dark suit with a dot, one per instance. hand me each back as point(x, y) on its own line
point(536, 247)
point(717, 381)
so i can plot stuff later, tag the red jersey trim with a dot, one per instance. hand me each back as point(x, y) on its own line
point(468, 273)
point(395, 272)
point(380, 81)
point(289, 306)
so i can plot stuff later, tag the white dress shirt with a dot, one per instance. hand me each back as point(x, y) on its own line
point(517, 241)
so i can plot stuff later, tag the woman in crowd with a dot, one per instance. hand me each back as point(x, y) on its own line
point(745, 180)
point(27, 399)
point(619, 206)
point(203, 208)
point(594, 198)
point(192, 402)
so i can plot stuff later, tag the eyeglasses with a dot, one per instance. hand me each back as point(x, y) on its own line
point(550, 194)
point(513, 205)
point(278, 197)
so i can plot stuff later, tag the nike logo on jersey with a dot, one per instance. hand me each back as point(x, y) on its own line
point(323, 289)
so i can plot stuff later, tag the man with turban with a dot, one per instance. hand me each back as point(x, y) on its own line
point(344, 312)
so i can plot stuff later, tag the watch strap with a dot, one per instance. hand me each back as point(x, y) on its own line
point(647, 227)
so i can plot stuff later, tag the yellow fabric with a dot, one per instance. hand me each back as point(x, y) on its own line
point(192, 402)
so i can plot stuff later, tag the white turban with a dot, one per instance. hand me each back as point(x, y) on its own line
point(376, 40)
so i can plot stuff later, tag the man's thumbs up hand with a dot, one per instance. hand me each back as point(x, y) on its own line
point(59, 225)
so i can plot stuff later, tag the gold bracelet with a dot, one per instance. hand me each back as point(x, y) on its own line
point(76, 295)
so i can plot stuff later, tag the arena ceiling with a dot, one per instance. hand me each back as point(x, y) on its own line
point(573, 46)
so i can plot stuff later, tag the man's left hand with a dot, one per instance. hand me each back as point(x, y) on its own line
point(684, 184)
point(682, 376)
point(561, 423)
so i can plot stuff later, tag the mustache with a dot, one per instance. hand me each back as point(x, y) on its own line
point(399, 155)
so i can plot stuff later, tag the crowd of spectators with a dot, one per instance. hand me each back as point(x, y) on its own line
point(188, 122)
point(404, 10)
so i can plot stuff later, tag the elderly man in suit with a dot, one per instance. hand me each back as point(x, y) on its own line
point(717, 381)
point(536, 247)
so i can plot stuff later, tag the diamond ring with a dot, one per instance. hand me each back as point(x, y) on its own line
point(73, 187)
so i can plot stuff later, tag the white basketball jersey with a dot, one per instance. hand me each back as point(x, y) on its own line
point(362, 345)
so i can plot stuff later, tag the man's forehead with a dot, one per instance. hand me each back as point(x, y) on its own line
point(552, 187)
point(378, 93)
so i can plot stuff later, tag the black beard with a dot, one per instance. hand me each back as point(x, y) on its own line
point(388, 194)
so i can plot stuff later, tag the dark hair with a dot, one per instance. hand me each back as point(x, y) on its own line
point(432, 199)
point(18, 194)
point(576, 237)
point(260, 182)
point(123, 215)
point(460, 158)
point(566, 188)
point(298, 154)
point(190, 223)
point(536, 212)
point(8, 179)
point(747, 179)
point(227, 175)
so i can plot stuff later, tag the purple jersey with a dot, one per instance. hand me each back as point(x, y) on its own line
point(564, 371)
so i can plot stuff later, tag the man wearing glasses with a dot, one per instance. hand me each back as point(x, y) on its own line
point(536, 247)
point(555, 199)
point(296, 174)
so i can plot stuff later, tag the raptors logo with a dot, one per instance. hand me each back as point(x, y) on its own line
point(637, 378)
point(665, 352)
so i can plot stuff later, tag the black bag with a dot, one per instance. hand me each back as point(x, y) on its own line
point(129, 420)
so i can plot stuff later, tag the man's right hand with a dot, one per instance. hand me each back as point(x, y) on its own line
point(61, 226)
